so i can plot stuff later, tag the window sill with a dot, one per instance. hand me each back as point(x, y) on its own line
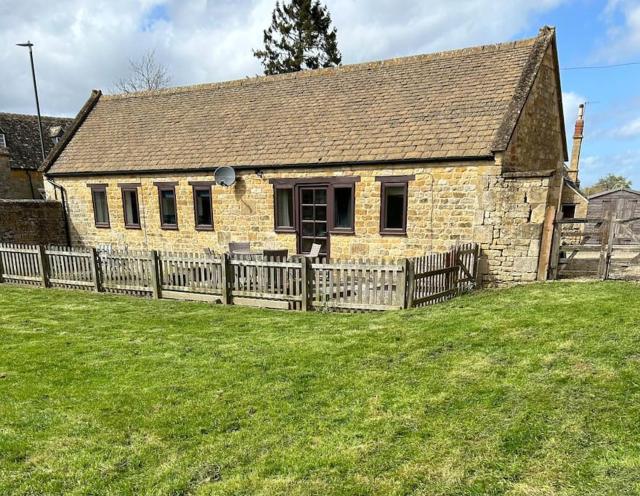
point(132, 227)
point(285, 230)
point(204, 228)
point(169, 228)
point(103, 226)
point(393, 233)
point(345, 232)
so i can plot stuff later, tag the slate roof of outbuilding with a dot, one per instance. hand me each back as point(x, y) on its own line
point(456, 104)
point(23, 139)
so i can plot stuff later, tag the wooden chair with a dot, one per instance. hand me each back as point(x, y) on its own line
point(315, 251)
point(275, 254)
point(239, 247)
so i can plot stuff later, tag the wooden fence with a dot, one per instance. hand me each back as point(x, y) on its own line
point(291, 283)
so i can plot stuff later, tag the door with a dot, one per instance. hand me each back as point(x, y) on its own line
point(312, 215)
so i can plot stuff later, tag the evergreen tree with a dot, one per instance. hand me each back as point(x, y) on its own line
point(300, 37)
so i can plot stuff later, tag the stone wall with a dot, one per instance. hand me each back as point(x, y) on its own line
point(571, 197)
point(467, 201)
point(32, 222)
point(14, 183)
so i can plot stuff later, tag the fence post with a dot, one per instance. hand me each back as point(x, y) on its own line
point(225, 277)
point(455, 275)
point(409, 282)
point(1, 269)
point(44, 266)
point(304, 270)
point(94, 264)
point(476, 267)
point(156, 288)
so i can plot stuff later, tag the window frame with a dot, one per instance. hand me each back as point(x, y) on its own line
point(167, 186)
point(331, 207)
point(103, 189)
point(3, 140)
point(202, 186)
point(394, 182)
point(294, 218)
point(124, 188)
point(562, 207)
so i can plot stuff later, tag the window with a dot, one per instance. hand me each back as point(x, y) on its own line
point(100, 205)
point(284, 209)
point(202, 207)
point(568, 211)
point(342, 208)
point(130, 206)
point(168, 207)
point(393, 204)
point(3, 141)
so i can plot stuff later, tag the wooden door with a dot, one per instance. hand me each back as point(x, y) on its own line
point(313, 215)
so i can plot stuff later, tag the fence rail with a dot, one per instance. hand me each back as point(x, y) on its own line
point(293, 283)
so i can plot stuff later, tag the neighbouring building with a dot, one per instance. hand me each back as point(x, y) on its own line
point(574, 202)
point(385, 159)
point(21, 153)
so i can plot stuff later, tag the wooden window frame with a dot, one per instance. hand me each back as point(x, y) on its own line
point(162, 187)
point(294, 220)
point(568, 205)
point(124, 188)
point(103, 189)
point(202, 186)
point(331, 203)
point(394, 182)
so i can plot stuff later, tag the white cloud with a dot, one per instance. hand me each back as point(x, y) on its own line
point(623, 17)
point(630, 129)
point(570, 102)
point(626, 163)
point(82, 44)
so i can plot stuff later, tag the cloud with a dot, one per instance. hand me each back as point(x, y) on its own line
point(623, 19)
point(570, 102)
point(630, 129)
point(82, 45)
point(626, 163)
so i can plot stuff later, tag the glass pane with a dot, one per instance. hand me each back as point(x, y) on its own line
point(307, 213)
point(168, 208)
point(394, 208)
point(131, 213)
point(284, 207)
point(343, 208)
point(323, 246)
point(321, 196)
point(321, 213)
point(101, 211)
point(307, 196)
point(321, 229)
point(307, 229)
point(306, 245)
point(203, 208)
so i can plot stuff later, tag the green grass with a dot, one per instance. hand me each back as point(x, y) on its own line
point(533, 390)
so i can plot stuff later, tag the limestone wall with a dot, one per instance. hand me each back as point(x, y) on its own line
point(446, 203)
point(31, 222)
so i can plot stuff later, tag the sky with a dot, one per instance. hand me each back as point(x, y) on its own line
point(81, 45)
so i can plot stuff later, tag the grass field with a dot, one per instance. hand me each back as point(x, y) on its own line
point(533, 390)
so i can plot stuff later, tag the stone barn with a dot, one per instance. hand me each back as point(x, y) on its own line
point(384, 159)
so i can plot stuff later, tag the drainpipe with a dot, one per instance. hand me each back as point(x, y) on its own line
point(63, 196)
point(33, 195)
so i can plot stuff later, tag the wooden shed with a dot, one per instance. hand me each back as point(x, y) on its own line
point(623, 202)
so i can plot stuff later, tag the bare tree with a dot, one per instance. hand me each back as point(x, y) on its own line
point(146, 74)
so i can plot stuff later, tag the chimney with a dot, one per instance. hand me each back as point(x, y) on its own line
point(578, 134)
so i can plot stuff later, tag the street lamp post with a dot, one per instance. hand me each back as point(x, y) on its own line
point(35, 89)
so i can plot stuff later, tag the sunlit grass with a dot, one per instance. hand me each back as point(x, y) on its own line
point(531, 390)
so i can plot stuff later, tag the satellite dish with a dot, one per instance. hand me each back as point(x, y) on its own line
point(224, 176)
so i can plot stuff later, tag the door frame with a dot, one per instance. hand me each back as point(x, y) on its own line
point(298, 212)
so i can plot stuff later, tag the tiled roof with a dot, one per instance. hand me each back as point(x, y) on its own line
point(456, 104)
point(23, 139)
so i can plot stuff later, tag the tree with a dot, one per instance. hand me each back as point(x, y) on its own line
point(606, 183)
point(146, 74)
point(300, 37)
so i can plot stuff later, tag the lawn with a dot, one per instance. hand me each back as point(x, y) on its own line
point(527, 391)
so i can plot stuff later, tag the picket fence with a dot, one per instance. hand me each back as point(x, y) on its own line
point(296, 283)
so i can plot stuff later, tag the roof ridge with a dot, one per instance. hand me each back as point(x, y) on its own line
point(12, 114)
point(261, 79)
